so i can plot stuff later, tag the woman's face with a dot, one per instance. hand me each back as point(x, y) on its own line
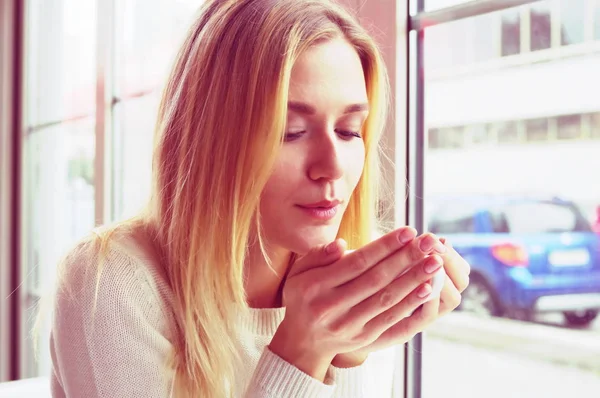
point(322, 157)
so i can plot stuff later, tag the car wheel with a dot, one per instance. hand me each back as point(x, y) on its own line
point(479, 299)
point(580, 318)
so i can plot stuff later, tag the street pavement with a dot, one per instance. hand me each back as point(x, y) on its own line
point(458, 370)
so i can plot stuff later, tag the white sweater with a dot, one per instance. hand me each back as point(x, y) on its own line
point(123, 350)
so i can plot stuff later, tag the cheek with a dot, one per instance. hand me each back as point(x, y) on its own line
point(283, 180)
point(354, 165)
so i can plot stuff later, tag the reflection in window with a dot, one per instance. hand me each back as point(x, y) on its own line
point(537, 129)
point(569, 127)
point(572, 15)
point(511, 32)
point(540, 30)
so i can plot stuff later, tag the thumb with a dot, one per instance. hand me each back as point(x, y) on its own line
point(319, 256)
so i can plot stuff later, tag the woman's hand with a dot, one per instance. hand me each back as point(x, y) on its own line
point(342, 304)
point(457, 279)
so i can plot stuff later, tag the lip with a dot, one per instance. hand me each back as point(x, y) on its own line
point(323, 203)
point(324, 210)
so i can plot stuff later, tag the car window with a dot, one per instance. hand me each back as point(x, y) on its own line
point(544, 217)
point(453, 218)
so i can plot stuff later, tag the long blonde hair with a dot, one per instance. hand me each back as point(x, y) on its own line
point(219, 129)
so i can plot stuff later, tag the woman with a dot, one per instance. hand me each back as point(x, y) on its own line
point(235, 281)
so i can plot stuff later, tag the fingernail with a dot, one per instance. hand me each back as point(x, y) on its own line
point(424, 290)
point(426, 245)
point(406, 235)
point(432, 264)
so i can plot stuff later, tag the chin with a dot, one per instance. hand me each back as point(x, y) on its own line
point(303, 242)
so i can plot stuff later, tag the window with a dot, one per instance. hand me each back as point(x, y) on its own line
point(508, 132)
point(60, 195)
point(537, 130)
point(569, 127)
point(528, 249)
point(454, 218)
point(544, 217)
point(478, 134)
point(572, 16)
point(449, 137)
point(59, 144)
point(511, 32)
point(540, 22)
point(595, 127)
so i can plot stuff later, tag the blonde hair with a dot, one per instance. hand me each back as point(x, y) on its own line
point(220, 126)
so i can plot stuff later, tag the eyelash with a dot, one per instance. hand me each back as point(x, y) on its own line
point(346, 134)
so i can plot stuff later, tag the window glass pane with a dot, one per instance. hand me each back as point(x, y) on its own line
point(572, 16)
point(478, 42)
point(540, 22)
point(518, 200)
point(60, 56)
point(536, 130)
point(511, 32)
point(477, 134)
point(58, 210)
point(597, 19)
point(541, 217)
point(569, 127)
point(484, 41)
point(132, 153)
point(595, 132)
point(148, 34)
point(442, 53)
point(508, 132)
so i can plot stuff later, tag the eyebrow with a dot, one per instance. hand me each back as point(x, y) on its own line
point(307, 109)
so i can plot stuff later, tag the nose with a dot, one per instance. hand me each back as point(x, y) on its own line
point(325, 162)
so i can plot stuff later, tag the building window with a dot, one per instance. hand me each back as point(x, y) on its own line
point(540, 26)
point(595, 126)
point(536, 130)
point(508, 132)
point(572, 15)
point(511, 32)
point(449, 137)
point(477, 134)
point(569, 127)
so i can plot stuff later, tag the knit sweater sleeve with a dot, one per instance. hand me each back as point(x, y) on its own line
point(121, 346)
point(117, 348)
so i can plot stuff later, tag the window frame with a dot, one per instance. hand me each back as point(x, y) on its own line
point(11, 90)
point(415, 138)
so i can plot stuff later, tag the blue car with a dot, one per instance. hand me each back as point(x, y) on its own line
point(528, 255)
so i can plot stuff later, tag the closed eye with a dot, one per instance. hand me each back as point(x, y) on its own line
point(347, 134)
point(293, 136)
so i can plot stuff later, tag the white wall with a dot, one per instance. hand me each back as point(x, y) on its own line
point(569, 169)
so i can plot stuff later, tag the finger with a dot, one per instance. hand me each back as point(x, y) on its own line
point(318, 257)
point(457, 269)
point(360, 260)
point(383, 273)
point(370, 303)
point(406, 318)
point(450, 297)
